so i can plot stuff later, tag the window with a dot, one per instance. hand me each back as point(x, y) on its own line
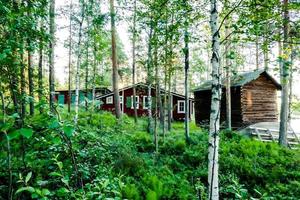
point(181, 106)
point(145, 102)
point(109, 100)
point(137, 101)
point(121, 99)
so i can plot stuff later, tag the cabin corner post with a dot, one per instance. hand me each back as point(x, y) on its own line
point(213, 155)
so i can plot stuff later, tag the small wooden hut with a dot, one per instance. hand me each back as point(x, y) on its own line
point(253, 99)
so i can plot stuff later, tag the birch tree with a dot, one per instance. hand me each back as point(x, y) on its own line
point(213, 155)
point(79, 54)
point(51, 54)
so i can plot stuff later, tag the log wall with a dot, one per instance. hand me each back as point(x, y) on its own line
point(259, 101)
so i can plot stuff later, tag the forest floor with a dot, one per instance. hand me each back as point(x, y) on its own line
point(103, 158)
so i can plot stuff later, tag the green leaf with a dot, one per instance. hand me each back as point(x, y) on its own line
point(56, 140)
point(22, 189)
point(13, 135)
point(68, 130)
point(55, 174)
point(60, 165)
point(6, 126)
point(28, 177)
point(65, 181)
point(54, 124)
point(26, 132)
point(45, 192)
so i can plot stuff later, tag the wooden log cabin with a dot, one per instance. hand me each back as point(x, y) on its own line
point(126, 102)
point(253, 99)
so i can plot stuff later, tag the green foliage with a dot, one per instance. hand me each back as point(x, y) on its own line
point(115, 159)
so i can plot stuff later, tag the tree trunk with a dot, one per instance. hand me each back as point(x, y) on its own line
point(284, 78)
point(51, 55)
point(213, 157)
point(149, 80)
point(114, 61)
point(40, 71)
point(30, 81)
point(257, 52)
point(23, 86)
point(186, 84)
point(87, 72)
point(227, 70)
point(291, 86)
point(133, 62)
point(77, 77)
point(157, 100)
point(70, 58)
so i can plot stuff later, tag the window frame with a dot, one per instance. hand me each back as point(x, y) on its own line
point(178, 106)
point(109, 100)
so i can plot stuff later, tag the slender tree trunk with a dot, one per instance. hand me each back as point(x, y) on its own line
point(186, 84)
point(156, 102)
point(51, 55)
point(291, 87)
point(266, 51)
point(70, 58)
point(149, 80)
point(150, 120)
point(30, 80)
point(40, 71)
point(213, 157)
point(87, 72)
point(170, 107)
point(284, 79)
point(77, 77)
point(114, 61)
point(257, 52)
point(133, 62)
point(94, 73)
point(227, 70)
point(23, 85)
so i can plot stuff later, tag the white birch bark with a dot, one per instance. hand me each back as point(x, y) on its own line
point(213, 155)
point(77, 81)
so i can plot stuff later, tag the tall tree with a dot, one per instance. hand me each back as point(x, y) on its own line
point(228, 69)
point(284, 77)
point(30, 79)
point(134, 60)
point(40, 68)
point(213, 149)
point(186, 76)
point(51, 54)
point(79, 54)
point(115, 77)
point(70, 57)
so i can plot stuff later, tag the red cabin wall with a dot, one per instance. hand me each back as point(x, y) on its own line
point(140, 92)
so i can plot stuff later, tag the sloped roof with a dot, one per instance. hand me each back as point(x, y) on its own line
point(240, 80)
point(142, 85)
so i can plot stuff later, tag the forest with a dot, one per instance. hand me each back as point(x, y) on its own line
point(149, 99)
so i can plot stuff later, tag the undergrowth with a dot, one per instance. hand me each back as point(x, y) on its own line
point(103, 158)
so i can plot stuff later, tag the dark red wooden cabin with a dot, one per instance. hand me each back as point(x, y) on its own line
point(126, 101)
point(253, 99)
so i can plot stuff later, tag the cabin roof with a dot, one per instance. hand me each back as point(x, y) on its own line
point(143, 85)
point(96, 88)
point(240, 80)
